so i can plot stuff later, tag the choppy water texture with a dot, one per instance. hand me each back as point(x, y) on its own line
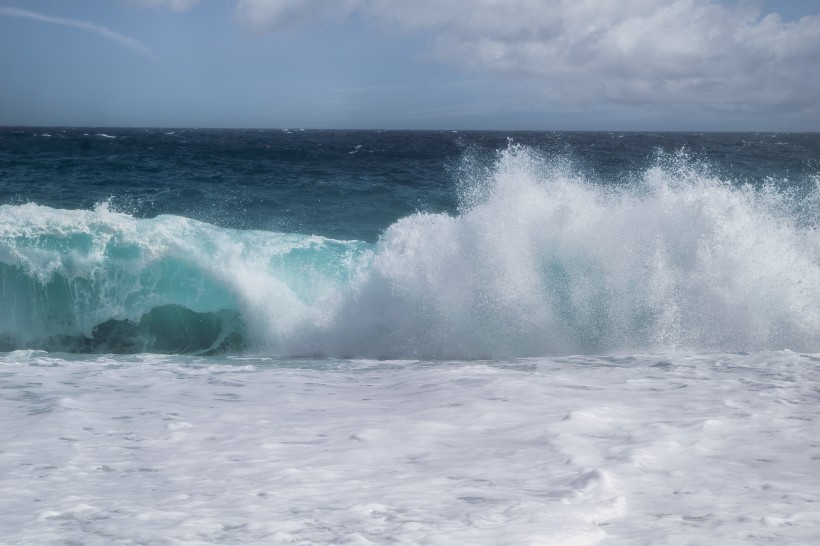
point(329, 337)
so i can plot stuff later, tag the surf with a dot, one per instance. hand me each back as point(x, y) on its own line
point(540, 259)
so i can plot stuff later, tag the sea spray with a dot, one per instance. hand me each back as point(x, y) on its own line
point(539, 260)
point(542, 261)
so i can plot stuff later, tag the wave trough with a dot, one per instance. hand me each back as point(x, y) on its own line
point(539, 261)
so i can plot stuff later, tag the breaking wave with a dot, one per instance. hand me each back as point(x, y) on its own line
point(539, 260)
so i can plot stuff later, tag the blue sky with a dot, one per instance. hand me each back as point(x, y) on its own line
point(427, 64)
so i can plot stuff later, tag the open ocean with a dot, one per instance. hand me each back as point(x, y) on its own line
point(213, 337)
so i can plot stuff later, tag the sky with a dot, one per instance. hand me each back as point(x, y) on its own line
point(686, 65)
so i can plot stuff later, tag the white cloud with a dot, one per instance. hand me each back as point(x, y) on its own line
point(121, 39)
point(680, 55)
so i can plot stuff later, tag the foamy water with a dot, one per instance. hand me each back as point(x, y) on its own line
point(641, 449)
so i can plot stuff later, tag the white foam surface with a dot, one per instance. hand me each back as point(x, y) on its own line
point(640, 449)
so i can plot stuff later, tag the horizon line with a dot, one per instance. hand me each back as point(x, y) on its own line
point(448, 130)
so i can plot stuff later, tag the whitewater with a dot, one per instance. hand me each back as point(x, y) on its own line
point(556, 358)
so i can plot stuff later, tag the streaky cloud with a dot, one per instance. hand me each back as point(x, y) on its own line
point(126, 41)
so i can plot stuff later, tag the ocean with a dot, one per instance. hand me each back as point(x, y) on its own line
point(391, 337)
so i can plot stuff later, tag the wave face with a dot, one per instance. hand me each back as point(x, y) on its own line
point(103, 281)
point(539, 260)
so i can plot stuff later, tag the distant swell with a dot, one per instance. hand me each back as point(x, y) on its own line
point(539, 261)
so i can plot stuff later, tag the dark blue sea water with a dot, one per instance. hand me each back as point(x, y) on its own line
point(407, 244)
point(341, 184)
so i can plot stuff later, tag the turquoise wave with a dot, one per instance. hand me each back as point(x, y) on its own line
point(103, 281)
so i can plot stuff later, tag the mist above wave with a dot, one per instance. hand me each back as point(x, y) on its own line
point(543, 261)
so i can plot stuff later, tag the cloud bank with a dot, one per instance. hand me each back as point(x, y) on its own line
point(674, 55)
point(121, 39)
